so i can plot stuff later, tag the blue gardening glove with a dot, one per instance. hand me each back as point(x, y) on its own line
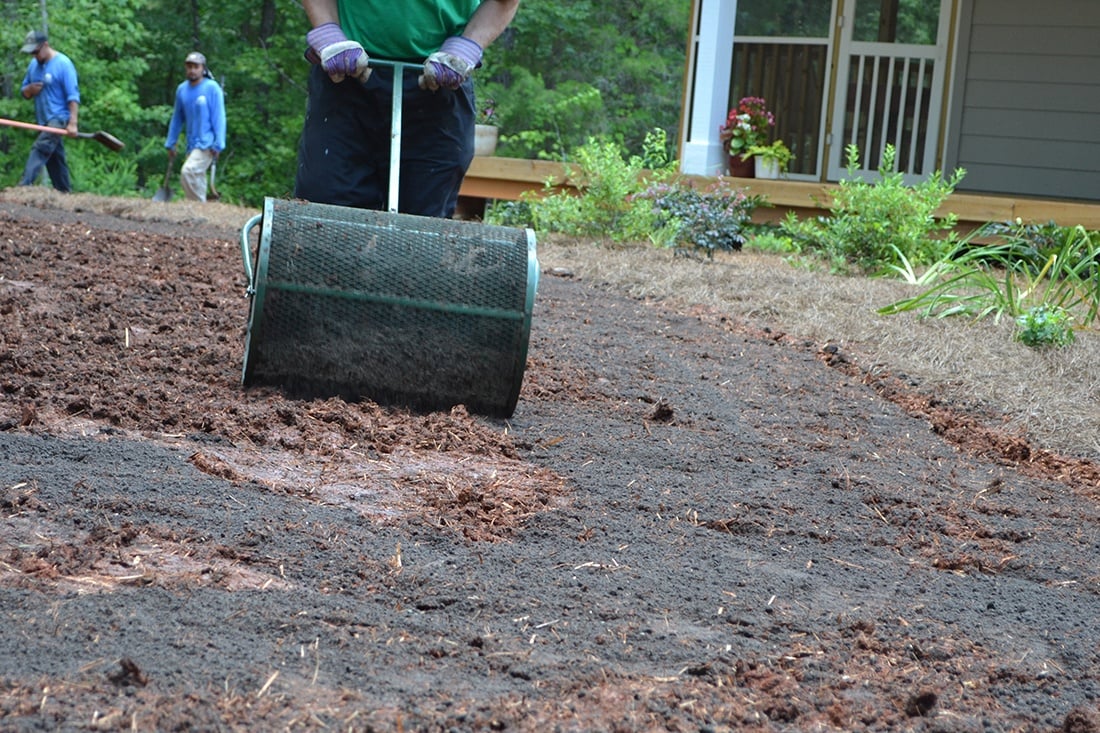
point(448, 67)
point(339, 56)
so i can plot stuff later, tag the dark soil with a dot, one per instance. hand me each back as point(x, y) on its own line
point(690, 523)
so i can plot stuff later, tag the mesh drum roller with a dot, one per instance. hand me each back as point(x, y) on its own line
point(401, 309)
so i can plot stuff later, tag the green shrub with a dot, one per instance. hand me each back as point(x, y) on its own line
point(872, 223)
point(634, 198)
point(1045, 326)
point(605, 204)
point(710, 219)
point(1031, 246)
point(773, 241)
point(509, 214)
point(992, 279)
point(655, 152)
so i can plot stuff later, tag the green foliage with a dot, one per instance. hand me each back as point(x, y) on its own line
point(113, 174)
point(801, 18)
point(655, 152)
point(871, 224)
point(915, 276)
point(916, 22)
point(565, 72)
point(1044, 325)
point(771, 240)
point(620, 198)
point(509, 213)
point(777, 151)
point(607, 181)
point(991, 280)
point(710, 219)
point(548, 122)
point(1032, 245)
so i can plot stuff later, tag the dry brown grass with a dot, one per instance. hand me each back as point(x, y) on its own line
point(1049, 396)
point(180, 212)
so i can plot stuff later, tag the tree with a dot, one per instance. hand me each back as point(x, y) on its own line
point(566, 71)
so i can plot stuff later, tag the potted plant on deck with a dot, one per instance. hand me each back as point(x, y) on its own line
point(770, 160)
point(746, 125)
point(486, 132)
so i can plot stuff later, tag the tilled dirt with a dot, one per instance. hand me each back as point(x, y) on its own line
point(690, 523)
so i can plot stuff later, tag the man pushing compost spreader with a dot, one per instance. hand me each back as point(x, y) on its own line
point(344, 156)
point(364, 285)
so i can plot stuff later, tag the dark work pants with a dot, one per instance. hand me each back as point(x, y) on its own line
point(48, 151)
point(344, 153)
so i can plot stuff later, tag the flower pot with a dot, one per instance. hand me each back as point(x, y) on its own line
point(741, 168)
point(766, 167)
point(485, 139)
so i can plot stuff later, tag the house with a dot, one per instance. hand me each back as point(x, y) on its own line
point(1009, 90)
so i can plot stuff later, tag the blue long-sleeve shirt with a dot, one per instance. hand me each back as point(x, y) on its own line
point(59, 87)
point(200, 111)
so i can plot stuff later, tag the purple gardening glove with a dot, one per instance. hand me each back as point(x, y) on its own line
point(339, 56)
point(448, 67)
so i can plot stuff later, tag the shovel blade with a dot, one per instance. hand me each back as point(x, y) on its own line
point(109, 140)
point(162, 195)
point(213, 195)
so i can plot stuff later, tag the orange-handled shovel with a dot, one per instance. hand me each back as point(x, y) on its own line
point(104, 138)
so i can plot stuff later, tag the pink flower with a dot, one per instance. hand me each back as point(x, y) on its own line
point(746, 125)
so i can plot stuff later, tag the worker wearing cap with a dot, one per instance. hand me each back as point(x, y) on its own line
point(199, 114)
point(51, 82)
point(344, 154)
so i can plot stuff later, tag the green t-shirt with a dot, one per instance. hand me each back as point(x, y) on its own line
point(406, 30)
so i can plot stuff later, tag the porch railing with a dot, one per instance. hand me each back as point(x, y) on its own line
point(890, 101)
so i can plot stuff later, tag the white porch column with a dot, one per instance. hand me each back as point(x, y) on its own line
point(710, 54)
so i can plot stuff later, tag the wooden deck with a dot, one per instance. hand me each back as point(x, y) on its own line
point(507, 178)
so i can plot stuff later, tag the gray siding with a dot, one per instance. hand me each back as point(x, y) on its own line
point(1030, 111)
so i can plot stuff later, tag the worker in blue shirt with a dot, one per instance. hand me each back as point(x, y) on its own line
point(199, 114)
point(51, 82)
